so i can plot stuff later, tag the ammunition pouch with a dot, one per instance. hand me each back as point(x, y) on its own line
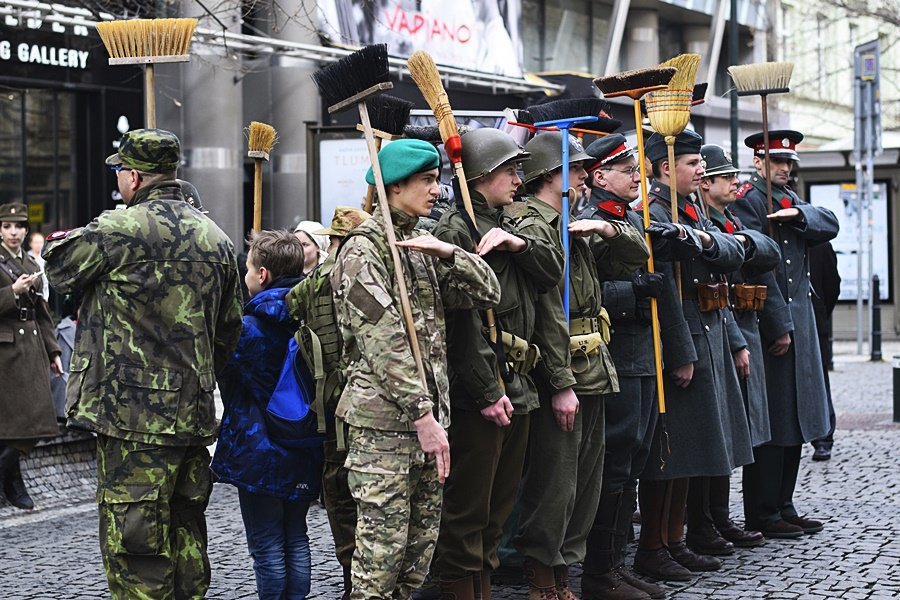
point(712, 296)
point(521, 356)
point(762, 292)
point(749, 297)
point(586, 336)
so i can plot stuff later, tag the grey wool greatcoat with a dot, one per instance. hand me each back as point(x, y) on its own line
point(706, 422)
point(798, 405)
point(26, 348)
point(761, 256)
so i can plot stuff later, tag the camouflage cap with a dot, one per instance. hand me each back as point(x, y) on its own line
point(148, 150)
point(345, 219)
point(14, 212)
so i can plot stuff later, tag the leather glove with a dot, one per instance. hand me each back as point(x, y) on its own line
point(668, 231)
point(647, 285)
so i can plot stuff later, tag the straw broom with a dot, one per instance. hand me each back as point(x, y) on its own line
point(260, 139)
point(428, 79)
point(635, 84)
point(669, 111)
point(762, 79)
point(388, 115)
point(352, 81)
point(147, 42)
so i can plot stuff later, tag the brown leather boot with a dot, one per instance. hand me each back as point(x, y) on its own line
point(483, 585)
point(561, 577)
point(459, 589)
point(541, 580)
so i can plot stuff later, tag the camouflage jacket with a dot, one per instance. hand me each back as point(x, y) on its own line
point(383, 389)
point(160, 315)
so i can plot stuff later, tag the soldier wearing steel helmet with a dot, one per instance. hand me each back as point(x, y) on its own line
point(160, 316)
point(558, 502)
point(489, 424)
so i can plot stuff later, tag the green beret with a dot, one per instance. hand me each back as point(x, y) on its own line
point(405, 157)
point(148, 150)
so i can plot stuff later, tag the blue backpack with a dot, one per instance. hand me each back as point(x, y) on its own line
point(290, 418)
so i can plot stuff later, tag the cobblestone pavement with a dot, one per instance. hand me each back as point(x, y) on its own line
point(52, 552)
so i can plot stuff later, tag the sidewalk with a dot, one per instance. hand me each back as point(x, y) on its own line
point(52, 552)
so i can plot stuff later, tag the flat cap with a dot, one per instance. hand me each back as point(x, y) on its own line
point(14, 212)
point(148, 150)
point(404, 157)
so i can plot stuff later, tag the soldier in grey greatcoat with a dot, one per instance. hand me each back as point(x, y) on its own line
point(798, 410)
point(707, 426)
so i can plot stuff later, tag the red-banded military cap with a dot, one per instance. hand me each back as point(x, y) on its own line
point(782, 143)
point(607, 150)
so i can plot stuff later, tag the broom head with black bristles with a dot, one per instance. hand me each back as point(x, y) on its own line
point(429, 133)
point(388, 115)
point(568, 108)
point(635, 83)
point(699, 96)
point(143, 41)
point(762, 78)
point(669, 109)
point(353, 78)
point(261, 138)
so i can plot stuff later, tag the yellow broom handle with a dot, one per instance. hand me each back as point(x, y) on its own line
point(257, 194)
point(654, 309)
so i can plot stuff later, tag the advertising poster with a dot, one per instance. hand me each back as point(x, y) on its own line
point(342, 174)
point(480, 35)
point(841, 200)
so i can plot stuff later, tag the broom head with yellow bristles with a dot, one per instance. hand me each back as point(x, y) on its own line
point(143, 41)
point(260, 139)
point(669, 109)
point(428, 79)
point(761, 79)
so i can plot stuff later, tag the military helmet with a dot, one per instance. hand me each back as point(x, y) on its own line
point(546, 154)
point(485, 149)
point(717, 161)
point(191, 195)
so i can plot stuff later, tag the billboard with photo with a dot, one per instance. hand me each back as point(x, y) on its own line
point(480, 35)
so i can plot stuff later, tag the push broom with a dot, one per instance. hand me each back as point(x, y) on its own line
point(147, 42)
point(635, 84)
point(388, 115)
point(565, 114)
point(354, 80)
point(669, 110)
point(428, 79)
point(762, 79)
point(260, 139)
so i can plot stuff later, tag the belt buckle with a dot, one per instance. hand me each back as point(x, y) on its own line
point(23, 314)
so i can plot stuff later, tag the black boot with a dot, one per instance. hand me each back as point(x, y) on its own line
point(623, 528)
point(719, 492)
point(14, 488)
point(702, 536)
point(348, 584)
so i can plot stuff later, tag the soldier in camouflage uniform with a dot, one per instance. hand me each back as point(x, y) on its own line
point(160, 315)
point(398, 454)
point(311, 304)
point(559, 497)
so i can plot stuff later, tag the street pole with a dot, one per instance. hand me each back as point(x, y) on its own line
point(733, 60)
point(870, 192)
point(857, 97)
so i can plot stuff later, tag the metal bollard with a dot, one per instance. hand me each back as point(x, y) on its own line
point(896, 364)
point(875, 299)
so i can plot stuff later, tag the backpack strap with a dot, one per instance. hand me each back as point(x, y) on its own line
point(318, 372)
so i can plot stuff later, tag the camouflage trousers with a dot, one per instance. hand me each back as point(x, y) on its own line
point(398, 499)
point(339, 503)
point(152, 524)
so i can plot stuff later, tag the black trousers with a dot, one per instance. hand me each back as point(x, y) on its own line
point(769, 485)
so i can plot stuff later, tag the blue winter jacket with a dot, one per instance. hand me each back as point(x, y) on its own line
point(245, 457)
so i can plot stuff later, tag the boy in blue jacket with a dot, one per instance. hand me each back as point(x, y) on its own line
point(275, 484)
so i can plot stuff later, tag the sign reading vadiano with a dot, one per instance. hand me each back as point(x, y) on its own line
point(480, 35)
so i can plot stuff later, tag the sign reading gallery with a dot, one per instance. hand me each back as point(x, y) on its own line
point(44, 54)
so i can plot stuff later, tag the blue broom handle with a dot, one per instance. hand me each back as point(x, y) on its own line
point(565, 215)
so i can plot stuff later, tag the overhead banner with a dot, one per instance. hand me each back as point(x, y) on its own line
point(480, 35)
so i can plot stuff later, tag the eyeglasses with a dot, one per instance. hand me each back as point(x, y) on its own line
point(630, 171)
point(117, 168)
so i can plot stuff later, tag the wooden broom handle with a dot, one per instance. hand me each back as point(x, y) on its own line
point(150, 96)
point(765, 125)
point(370, 191)
point(257, 193)
point(673, 195)
point(392, 243)
point(654, 308)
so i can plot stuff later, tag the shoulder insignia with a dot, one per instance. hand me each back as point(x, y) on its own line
point(613, 208)
point(744, 189)
point(59, 235)
point(516, 210)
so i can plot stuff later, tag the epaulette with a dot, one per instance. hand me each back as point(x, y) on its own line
point(516, 210)
point(612, 207)
point(744, 189)
point(59, 235)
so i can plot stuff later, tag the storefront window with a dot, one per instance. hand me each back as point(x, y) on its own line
point(10, 146)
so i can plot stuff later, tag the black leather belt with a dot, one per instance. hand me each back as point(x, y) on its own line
point(26, 314)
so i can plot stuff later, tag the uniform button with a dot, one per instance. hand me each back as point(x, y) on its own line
point(809, 294)
point(696, 281)
point(34, 331)
point(807, 273)
point(790, 280)
point(624, 314)
point(788, 261)
point(785, 241)
point(790, 299)
point(21, 332)
point(706, 327)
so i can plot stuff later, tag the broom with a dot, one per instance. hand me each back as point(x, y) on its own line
point(353, 80)
point(260, 139)
point(634, 84)
point(669, 111)
point(146, 42)
point(563, 114)
point(762, 79)
point(388, 115)
point(428, 79)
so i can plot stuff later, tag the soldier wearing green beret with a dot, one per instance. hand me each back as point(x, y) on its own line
point(489, 429)
point(27, 348)
point(160, 316)
point(398, 454)
point(559, 497)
